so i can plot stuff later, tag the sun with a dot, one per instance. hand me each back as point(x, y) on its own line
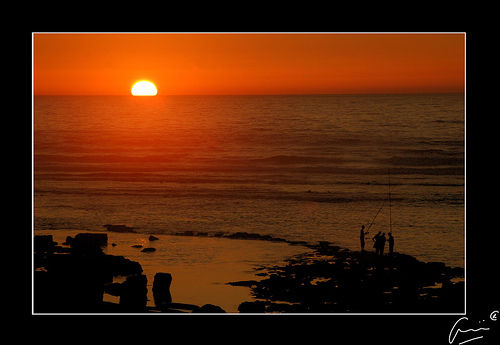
point(144, 88)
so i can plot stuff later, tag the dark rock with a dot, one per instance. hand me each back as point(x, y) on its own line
point(244, 283)
point(252, 307)
point(172, 311)
point(297, 243)
point(209, 309)
point(161, 290)
point(43, 243)
point(243, 236)
point(73, 283)
point(183, 306)
point(252, 236)
point(332, 279)
point(119, 228)
point(113, 289)
point(75, 279)
point(109, 307)
point(89, 242)
point(120, 266)
point(133, 294)
point(186, 233)
point(68, 241)
point(153, 238)
point(148, 250)
point(59, 249)
point(276, 239)
point(113, 244)
point(285, 308)
point(137, 246)
point(44, 294)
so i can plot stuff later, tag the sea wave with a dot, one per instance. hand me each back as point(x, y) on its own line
point(248, 168)
point(447, 197)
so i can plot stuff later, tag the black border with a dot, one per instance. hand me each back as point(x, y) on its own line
point(481, 235)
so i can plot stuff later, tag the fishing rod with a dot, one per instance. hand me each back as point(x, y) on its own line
point(390, 214)
point(369, 226)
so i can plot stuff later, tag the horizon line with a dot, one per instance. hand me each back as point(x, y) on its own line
point(272, 94)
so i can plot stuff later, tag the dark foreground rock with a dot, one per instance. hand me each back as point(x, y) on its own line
point(148, 250)
point(88, 242)
point(248, 283)
point(209, 309)
point(331, 279)
point(44, 243)
point(119, 228)
point(252, 307)
point(236, 236)
point(74, 279)
point(134, 293)
point(161, 290)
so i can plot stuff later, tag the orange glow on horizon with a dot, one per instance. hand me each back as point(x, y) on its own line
point(205, 64)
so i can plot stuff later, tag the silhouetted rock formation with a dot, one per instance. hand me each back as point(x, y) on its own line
point(148, 250)
point(153, 238)
point(120, 266)
point(133, 293)
point(332, 279)
point(44, 243)
point(89, 242)
point(252, 307)
point(248, 283)
point(71, 282)
point(113, 289)
point(235, 236)
point(74, 279)
point(328, 279)
point(209, 309)
point(68, 241)
point(161, 290)
point(183, 306)
point(119, 228)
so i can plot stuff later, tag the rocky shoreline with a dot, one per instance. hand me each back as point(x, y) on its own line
point(335, 280)
point(73, 277)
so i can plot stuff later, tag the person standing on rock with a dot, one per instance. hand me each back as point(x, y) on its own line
point(391, 243)
point(382, 244)
point(376, 244)
point(362, 234)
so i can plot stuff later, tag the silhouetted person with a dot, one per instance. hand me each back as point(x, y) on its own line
point(376, 245)
point(391, 243)
point(362, 234)
point(382, 240)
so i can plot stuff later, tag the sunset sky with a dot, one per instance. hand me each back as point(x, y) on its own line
point(224, 64)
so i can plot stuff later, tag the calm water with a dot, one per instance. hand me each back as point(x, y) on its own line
point(310, 168)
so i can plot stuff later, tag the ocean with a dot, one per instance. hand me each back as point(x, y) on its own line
point(307, 168)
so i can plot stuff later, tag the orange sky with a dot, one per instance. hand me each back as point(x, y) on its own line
point(108, 64)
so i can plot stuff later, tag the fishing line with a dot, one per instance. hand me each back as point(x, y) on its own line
point(390, 213)
point(369, 226)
